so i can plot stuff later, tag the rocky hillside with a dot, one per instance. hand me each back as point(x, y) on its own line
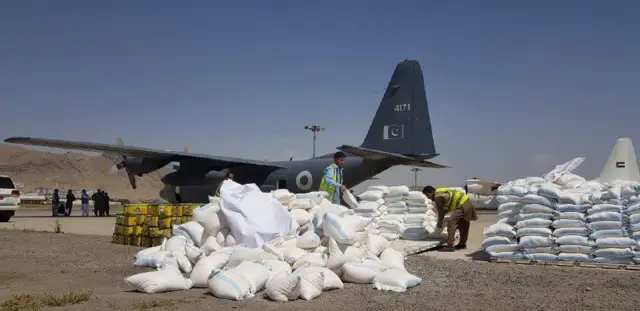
point(74, 171)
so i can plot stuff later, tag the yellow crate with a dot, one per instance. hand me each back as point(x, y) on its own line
point(187, 210)
point(186, 219)
point(176, 220)
point(177, 210)
point(141, 220)
point(145, 230)
point(156, 241)
point(125, 230)
point(129, 240)
point(152, 221)
point(137, 241)
point(146, 242)
point(167, 233)
point(137, 230)
point(123, 220)
point(165, 223)
point(159, 233)
point(136, 209)
point(162, 211)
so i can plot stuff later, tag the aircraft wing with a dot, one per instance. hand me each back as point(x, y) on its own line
point(172, 156)
point(372, 154)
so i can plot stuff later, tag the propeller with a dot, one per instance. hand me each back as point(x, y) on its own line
point(121, 162)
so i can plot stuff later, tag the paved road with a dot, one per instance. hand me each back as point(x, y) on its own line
point(39, 220)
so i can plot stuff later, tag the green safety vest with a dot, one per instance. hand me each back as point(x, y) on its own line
point(324, 186)
point(456, 198)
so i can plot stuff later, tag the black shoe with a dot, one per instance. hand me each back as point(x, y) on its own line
point(447, 249)
point(461, 246)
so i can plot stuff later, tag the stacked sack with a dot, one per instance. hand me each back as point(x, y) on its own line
point(632, 213)
point(391, 225)
point(414, 220)
point(371, 202)
point(320, 252)
point(534, 230)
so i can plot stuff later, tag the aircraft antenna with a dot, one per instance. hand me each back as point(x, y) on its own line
point(415, 171)
point(315, 129)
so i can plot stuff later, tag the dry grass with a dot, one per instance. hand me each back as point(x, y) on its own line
point(35, 302)
point(160, 303)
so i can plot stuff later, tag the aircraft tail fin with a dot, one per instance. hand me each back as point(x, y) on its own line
point(402, 124)
point(622, 163)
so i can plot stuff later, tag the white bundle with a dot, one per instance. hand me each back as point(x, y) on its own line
point(332, 244)
point(535, 233)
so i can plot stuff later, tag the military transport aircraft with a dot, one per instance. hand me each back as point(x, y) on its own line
point(400, 134)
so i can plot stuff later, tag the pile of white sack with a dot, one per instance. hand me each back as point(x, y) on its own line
point(398, 212)
point(564, 217)
point(289, 246)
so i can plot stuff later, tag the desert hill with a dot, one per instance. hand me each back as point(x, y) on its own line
point(74, 171)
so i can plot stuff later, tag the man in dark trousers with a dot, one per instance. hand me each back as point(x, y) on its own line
point(95, 197)
point(106, 204)
point(55, 201)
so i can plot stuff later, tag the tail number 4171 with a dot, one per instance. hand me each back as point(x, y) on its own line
point(402, 107)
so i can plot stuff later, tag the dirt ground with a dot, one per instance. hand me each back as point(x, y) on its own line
point(36, 263)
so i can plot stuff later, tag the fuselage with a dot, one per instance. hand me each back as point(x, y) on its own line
point(297, 176)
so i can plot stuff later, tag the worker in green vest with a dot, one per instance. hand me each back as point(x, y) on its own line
point(457, 203)
point(332, 180)
point(228, 176)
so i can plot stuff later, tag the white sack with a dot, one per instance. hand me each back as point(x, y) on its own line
point(229, 285)
point(255, 274)
point(207, 217)
point(254, 217)
point(209, 266)
point(395, 280)
point(393, 259)
point(336, 228)
point(283, 287)
point(160, 281)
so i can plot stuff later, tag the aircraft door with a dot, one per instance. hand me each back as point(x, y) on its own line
point(281, 184)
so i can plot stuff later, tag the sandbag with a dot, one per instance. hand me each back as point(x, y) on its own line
point(153, 260)
point(311, 284)
point(176, 243)
point(255, 274)
point(276, 266)
point(336, 228)
point(331, 280)
point(395, 280)
point(312, 259)
point(148, 251)
point(283, 287)
point(393, 259)
point(207, 217)
point(241, 253)
point(229, 285)
point(348, 198)
point(359, 273)
point(308, 240)
point(209, 266)
point(160, 281)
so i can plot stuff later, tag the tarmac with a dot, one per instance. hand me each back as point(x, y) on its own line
point(41, 220)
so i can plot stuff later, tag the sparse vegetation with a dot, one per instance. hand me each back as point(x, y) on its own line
point(33, 302)
point(159, 303)
point(57, 226)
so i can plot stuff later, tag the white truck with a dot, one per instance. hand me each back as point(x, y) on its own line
point(9, 198)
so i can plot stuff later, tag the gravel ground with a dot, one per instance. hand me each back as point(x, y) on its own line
point(34, 262)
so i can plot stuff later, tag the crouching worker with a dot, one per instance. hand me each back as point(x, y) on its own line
point(227, 176)
point(457, 203)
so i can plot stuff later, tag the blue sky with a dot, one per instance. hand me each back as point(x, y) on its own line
point(514, 87)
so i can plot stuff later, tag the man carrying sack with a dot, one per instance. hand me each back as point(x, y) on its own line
point(456, 202)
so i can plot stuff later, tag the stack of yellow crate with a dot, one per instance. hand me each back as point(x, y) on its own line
point(148, 224)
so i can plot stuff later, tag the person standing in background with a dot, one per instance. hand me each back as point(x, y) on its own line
point(106, 204)
point(55, 201)
point(84, 199)
point(69, 202)
point(96, 202)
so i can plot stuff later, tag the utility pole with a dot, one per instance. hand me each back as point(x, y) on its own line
point(315, 129)
point(415, 171)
